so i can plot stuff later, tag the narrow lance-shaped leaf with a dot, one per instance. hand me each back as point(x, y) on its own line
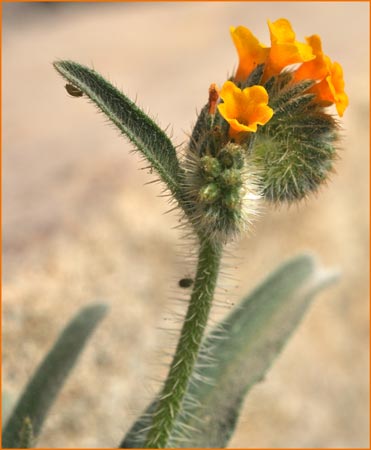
point(147, 137)
point(237, 354)
point(43, 388)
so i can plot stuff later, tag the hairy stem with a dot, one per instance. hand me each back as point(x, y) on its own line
point(188, 346)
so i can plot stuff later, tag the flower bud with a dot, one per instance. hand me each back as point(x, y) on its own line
point(231, 177)
point(210, 166)
point(221, 190)
point(232, 200)
point(209, 193)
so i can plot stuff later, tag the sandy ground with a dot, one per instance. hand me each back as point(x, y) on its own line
point(78, 225)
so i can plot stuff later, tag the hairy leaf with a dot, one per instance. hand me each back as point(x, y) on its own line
point(142, 131)
point(43, 388)
point(237, 354)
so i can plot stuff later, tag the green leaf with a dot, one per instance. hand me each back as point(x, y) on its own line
point(237, 354)
point(43, 388)
point(147, 137)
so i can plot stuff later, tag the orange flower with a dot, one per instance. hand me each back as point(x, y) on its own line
point(244, 109)
point(330, 88)
point(317, 68)
point(285, 49)
point(250, 51)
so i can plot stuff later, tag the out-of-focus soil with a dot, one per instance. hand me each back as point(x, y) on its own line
point(79, 226)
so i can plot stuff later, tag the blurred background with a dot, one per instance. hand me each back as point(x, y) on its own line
point(80, 226)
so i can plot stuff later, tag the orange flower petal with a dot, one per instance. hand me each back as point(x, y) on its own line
point(251, 53)
point(317, 68)
point(281, 31)
point(244, 109)
point(331, 89)
point(337, 86)
point(285, 49)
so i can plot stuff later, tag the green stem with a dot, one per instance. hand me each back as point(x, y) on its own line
point(188, 346)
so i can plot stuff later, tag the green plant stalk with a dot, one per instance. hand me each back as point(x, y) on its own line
point(187, 350)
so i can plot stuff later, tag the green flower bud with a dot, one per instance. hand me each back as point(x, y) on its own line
point(209, 193)
point(210, 167)
point(232, 155)
point(231, 177)
point(220, 185)
point(226, 158)
point(238, 157)
point(232, 200)
point(225, 206)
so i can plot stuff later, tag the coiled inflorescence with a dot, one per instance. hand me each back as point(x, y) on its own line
point(220, 182)
point(266, 134)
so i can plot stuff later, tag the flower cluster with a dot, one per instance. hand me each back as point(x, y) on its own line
point(272, 113)
point(284, 51)
point(221, 185)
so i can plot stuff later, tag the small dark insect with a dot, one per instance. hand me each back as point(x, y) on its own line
point(185, 283)
point(72, 90)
